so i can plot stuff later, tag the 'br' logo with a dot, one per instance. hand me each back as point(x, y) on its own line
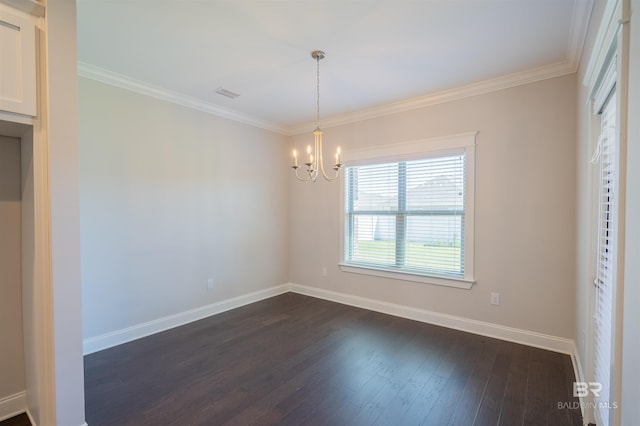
point(582, 389)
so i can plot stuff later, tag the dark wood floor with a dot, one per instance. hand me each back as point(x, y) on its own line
point(19, 420)
point(297, 360)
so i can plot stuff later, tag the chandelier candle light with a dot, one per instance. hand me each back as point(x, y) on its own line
point(314, 161)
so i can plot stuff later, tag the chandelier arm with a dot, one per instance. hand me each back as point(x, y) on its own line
point(300, 178)
point(311, 176)
point(317, 145)
point(320, 158)
point(335, 175)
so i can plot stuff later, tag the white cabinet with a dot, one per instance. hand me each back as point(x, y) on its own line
point(17, 62)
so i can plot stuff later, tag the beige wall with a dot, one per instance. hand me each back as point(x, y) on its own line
point(170, 197)
point(11, 347)
point(525, 208)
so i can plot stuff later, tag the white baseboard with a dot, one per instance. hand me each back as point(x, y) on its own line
point(33, 423)
point(578, 372)
point(525, 337)
point(114, 338)
point(577, 365)
point(13, 405)
point(16, 404)
point(530, 338)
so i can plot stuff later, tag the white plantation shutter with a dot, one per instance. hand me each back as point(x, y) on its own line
point(408, 215)
point(606, 157)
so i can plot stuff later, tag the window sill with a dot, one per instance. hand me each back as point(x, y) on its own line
point(408, 276)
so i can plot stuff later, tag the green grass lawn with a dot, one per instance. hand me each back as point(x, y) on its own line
point(418, 255)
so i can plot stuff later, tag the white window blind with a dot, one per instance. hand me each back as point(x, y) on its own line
point(408, 215)
point(606, 157)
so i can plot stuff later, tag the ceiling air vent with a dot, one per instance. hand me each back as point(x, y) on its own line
point(228, 93)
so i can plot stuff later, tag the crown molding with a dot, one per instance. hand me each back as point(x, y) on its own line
point(125, 82)
point(453, 94)
point(579, 25)
point(486, 86)
point(482, 87)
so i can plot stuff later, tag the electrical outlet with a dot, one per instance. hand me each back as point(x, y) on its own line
point(210, 283)
point(495, 298)
point(324, 271)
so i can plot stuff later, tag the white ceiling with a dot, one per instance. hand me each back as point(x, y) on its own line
point(381, 54)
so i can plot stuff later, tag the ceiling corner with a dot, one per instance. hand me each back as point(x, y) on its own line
point(579, 25)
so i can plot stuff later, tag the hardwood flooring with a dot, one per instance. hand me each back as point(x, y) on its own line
point(19, 420)
point(297, 360)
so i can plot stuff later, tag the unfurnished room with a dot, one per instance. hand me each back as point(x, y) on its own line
point(299, 212)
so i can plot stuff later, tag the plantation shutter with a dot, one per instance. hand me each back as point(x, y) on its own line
point(408, 215)
point(606, 156)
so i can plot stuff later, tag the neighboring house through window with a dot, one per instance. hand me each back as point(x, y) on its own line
point(408, 211)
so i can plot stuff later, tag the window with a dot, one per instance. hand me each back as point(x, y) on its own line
point(605, 274)
point(408, 211)
point(606, 158)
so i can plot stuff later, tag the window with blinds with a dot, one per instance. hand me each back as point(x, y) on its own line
point(410, 215)
point(606, 156)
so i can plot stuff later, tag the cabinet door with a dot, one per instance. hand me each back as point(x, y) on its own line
point(17, 63)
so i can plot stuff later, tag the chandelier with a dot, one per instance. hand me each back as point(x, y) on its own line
point(314, 164)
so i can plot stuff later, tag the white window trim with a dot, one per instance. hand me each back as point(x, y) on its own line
point(408, 151)
point(610, 48)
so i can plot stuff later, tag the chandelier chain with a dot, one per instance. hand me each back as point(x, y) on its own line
point(318, 92)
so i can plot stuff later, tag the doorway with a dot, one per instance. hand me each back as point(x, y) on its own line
point(12, 385)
